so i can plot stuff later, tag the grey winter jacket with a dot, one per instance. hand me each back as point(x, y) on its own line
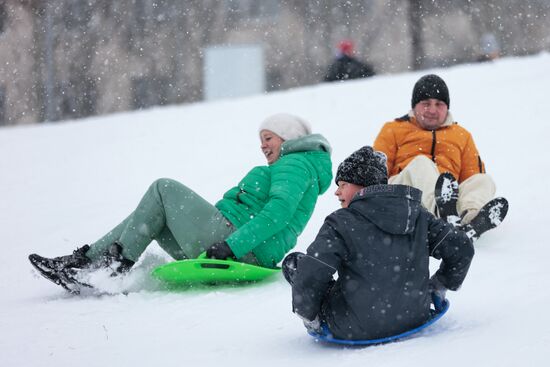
point(380, 247)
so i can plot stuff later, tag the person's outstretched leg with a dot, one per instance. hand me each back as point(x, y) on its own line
point(182, 222)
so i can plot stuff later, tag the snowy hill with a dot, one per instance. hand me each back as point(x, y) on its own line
point(63, 185)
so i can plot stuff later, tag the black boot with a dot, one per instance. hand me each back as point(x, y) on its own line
point(490, 216)
point(78, 259)
point(68, 271)
point(446, 197)
point(62, 270)
point(112, 258)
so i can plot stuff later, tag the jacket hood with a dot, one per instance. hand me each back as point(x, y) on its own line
point(317, 151)
point(392, 208)
point(312, 142)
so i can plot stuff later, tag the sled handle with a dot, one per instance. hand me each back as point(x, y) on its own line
point(202, 256)
point(215, 266)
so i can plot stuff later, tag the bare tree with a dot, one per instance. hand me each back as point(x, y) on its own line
point(415, 26)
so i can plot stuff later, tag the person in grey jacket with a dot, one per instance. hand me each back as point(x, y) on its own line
point(379, 243)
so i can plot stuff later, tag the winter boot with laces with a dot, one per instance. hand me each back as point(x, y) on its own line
point(67, 271)
point(63, 269)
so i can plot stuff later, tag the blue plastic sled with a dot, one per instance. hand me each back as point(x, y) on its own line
point(327, 337)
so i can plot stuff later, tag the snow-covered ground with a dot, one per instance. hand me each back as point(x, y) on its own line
point(66, 184)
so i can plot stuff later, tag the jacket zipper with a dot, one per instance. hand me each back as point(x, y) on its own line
point(433, 146)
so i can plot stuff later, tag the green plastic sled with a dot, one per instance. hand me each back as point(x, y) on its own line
point(203, 270)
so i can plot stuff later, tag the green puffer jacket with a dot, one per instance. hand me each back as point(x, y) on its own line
point(272, 204)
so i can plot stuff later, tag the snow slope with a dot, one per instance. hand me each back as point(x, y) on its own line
point(66, 184)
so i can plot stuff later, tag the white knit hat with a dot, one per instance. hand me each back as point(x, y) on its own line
point(286, 126)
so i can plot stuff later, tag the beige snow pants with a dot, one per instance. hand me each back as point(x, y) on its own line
point(422, 173)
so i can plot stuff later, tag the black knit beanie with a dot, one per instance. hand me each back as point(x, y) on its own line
point(364, 167)
point(430, 86)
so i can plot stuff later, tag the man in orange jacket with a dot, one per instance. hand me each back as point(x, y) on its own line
point(426, 142)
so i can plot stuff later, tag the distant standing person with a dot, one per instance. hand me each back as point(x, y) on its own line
point(490, 49)
point(346, 66)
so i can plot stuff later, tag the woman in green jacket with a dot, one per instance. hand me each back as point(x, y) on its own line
point(257, 221)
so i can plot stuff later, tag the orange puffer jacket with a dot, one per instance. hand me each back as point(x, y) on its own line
point(451, 147)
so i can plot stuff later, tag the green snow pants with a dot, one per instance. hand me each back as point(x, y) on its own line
point(182, 222)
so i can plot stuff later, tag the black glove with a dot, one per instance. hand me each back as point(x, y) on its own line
point(438, 291)
point(290, 266)
point(220, 250)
